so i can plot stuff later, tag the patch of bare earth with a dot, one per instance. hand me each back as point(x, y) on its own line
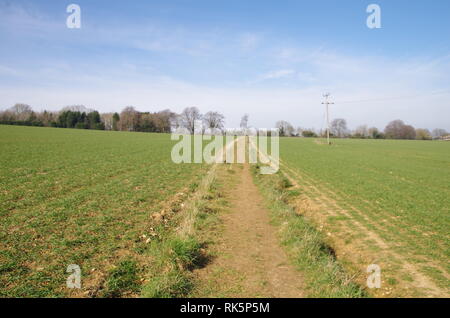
point(249, 261)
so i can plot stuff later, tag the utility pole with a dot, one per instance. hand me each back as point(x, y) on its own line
point(326, 102)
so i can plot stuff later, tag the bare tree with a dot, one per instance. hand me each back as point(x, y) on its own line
point(47, 117)
point(438, 133)
point(214, 121)
point(244, 122)
point(285, 128)
point(408, 132)
point(188, 117)
point(129, 118)
point(107, 120)
point(78, 108)
point(361, 132)
point(397, 129)
point(163, 120)
point(393, 129)
point(339, 127)
point(175, 122)
point(21, 111)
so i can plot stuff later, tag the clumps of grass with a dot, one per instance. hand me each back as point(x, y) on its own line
point(180, 251)
point(168, 285)
point(283, 182)
point(123, 279)
point(289, 195)
point(193, 186)
point(176, 258)
point(186, 253)
point(324, 275)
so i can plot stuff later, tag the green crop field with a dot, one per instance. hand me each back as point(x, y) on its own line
point(79, 197)
point(96, 199)
point(388, 201)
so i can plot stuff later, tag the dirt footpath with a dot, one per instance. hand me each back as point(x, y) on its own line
point(248, 261)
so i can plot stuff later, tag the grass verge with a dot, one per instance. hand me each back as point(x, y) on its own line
point(180, 248)
point(324, 276)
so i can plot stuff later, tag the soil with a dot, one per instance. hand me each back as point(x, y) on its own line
point(249, 261)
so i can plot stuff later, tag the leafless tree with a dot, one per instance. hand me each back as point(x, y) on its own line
point(47, 117)
point(21, 111)
point(175, 122)
point(438, 133)
point(107, 120)
point(408, 132)
point(244, 122)
point(285, 128)
point(214, 121)
point(163, 120)
point(6, 115)
point(397, 129)
point(361, 132)
point(129, 118)
point(188, 118)
point(339, 127)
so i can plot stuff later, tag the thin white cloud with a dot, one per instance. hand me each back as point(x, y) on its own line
point(9, 71)
point(249, 41)
point(23, 18)
point(278, 74)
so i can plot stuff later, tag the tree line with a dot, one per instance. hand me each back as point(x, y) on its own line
point(166, 121)
point(69, 117)
point(80, 117)
point(129, 119)
point(395, 129)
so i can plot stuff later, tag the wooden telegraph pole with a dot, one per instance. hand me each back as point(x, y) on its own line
point(327, 102)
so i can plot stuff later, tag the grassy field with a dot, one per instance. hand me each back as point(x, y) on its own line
point(115, 204)
point(82, 197)
point(379, 201)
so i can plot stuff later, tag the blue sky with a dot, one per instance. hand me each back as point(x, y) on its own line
point(271, 59)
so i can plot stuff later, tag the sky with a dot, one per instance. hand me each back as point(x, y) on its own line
point(271, 59)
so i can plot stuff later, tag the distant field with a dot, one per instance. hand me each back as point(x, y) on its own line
point(78, 197)
point(381, 201)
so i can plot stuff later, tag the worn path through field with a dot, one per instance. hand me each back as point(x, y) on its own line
point(249, 261)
